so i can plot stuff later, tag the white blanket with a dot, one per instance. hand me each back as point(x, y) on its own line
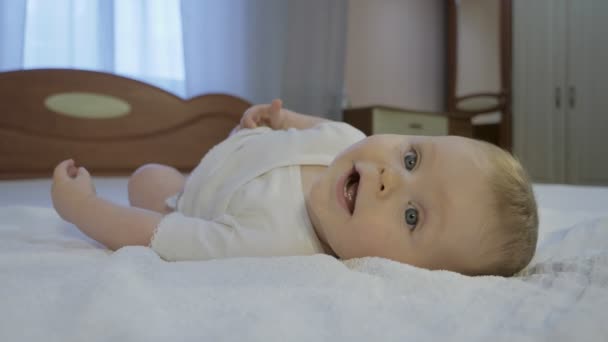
point(57, 285)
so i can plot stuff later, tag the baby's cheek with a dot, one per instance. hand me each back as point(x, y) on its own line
point(377, 223)
point(374, 234)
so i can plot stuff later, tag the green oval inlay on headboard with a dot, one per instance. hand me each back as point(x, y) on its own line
point(87, 105)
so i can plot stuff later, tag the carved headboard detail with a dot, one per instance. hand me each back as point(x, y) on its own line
point(108, 123)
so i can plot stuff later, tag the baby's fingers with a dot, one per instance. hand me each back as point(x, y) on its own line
point(84, 181)
point(250, 118)
point(83, 173)
point(61, 170)
point(276, 116)
point(248, 121)
point(275, 106)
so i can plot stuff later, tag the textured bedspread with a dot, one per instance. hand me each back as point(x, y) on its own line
point(57, 285)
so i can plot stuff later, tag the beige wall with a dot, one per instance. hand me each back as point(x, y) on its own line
point(395, 53)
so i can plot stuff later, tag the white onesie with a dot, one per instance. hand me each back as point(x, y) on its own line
point(245, 197)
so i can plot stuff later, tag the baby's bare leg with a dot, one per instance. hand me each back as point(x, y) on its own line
point(152, 184)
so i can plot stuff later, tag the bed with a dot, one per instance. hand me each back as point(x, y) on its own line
point(58, 285)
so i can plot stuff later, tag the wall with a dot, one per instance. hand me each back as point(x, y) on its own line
point(395, 53)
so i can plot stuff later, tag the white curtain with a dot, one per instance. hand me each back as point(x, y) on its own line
point(255, 49)
point(12, 19)
point(140, 39)
point(263, 49)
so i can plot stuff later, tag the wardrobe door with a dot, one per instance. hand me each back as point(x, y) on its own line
point(587, 94)
point(539, 30)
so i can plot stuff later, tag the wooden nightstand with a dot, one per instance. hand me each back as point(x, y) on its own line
point(390, 120)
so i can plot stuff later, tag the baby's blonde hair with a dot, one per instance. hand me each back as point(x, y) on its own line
point(516, 231)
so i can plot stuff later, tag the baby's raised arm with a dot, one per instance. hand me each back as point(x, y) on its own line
point(276, 117)
point(113, 225)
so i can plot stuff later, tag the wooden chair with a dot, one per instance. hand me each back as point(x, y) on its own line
point(463, 109)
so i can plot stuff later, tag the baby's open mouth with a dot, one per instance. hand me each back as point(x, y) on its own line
point(351, 185)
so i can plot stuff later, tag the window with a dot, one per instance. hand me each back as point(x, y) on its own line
point(141, 39)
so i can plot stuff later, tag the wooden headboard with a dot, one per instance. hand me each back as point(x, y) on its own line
point(127, 123)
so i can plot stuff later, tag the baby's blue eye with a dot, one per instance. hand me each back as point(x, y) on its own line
point(411, 217)
point(410, 159)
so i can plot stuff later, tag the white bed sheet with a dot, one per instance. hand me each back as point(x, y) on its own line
point(36, 192)
point(560, 205)
point(57, 285)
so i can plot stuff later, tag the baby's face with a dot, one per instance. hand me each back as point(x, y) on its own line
point(419, 200)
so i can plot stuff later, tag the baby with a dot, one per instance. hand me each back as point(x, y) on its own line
point(285, 183)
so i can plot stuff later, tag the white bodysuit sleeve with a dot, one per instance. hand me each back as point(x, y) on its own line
point(179, 237)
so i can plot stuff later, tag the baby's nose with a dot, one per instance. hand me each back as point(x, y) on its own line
point(387, 179)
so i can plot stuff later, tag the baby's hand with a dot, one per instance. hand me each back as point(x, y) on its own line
point(270, 115)
point(71, 188)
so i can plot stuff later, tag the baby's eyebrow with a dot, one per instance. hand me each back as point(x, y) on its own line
point(428, 159)
point(424, 151)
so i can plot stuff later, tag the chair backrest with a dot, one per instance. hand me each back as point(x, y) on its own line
point(479, 65)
